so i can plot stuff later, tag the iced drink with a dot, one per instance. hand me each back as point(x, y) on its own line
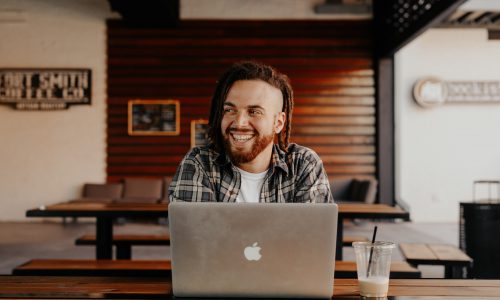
point(373, 263)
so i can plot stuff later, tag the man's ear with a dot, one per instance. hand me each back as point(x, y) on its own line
point(279, 122)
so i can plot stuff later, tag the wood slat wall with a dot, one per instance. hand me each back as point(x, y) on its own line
point(329, 64)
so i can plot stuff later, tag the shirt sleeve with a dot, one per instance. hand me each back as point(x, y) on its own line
point(312, 184)
point(191, 182)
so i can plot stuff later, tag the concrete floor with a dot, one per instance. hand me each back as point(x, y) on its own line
point(22, 241)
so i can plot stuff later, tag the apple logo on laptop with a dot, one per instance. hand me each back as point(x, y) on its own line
point(252, 252)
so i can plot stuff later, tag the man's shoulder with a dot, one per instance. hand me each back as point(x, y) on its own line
point(296, 151)
point(201, 153)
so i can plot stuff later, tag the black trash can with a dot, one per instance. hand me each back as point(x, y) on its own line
point(480, 237)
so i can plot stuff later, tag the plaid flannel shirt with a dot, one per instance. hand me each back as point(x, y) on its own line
point(295, 176)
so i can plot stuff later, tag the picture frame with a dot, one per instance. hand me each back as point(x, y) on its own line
point(199, 132)
point(154, 117)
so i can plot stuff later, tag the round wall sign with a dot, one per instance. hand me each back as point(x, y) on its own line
point(429, 92)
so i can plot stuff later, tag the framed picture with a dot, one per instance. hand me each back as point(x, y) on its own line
point(199, 131)
point(153, 117)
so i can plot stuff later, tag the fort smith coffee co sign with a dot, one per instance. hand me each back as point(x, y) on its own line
point(429, 92)
point(45, 89)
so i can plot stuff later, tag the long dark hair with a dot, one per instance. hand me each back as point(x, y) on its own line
point(249, 70)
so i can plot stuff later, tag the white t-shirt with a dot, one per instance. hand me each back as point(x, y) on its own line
point(251, 185)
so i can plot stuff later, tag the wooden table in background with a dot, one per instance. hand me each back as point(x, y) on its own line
point(453, 259)
point(35, 287)
point(104, 214)
point(365, 211)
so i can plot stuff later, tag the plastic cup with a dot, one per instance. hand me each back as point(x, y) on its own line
point(375, 281)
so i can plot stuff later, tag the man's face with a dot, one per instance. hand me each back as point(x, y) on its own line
point(251, 117)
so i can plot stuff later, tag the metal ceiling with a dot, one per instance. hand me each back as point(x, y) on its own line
point(473, 19)
point(487, 19)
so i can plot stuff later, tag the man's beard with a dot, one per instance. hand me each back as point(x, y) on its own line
point(241, 157)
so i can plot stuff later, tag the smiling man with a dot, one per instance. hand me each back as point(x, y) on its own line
point(251, 108)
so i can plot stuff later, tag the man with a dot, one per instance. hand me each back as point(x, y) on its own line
point(252, 105)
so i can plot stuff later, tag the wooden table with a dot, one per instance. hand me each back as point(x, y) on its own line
point(365, 211)
point(160, 268)
point(452, 258)
point(35, 287)
point(104, 214)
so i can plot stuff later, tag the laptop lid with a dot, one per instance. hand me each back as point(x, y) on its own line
point(253, 249)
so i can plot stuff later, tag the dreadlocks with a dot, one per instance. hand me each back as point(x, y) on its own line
point(249, 70)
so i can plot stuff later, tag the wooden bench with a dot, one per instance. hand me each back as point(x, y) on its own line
point(399, 270)
point(455, 262)
point(124, 242)
point(158, 268)
point(90, 267)
point(348, 240)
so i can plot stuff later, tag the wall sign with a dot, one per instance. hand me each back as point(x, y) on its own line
point(430, 91)
point(199, 132)
point(45, 89)
point(153, 117)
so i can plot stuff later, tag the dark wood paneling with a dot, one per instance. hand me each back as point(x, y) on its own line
point(329, 64)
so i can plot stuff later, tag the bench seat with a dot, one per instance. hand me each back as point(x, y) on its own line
point(155, 268)
point(124, 242)
point(90, 267)
point(348, 240)
point(399, 270)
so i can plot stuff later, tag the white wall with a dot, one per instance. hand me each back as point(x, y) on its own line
point(257, 9)
point(481, 5)
point(441, 151)
point(47, 155)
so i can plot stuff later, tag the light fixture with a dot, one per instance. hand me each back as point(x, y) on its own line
point(494, 34)
point(351, 7)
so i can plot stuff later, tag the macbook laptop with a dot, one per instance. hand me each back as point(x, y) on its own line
point(284, 250)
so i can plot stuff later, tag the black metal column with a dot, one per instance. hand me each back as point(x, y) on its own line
point(104, 238)
point(385, 129)
point(340, 239)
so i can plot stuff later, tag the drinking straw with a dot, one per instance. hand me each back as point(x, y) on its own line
point(371, 252)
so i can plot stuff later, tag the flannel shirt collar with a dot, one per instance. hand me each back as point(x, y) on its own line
point(278, 159)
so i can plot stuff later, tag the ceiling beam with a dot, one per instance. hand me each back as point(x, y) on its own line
point(399, 22)
point(148, 13)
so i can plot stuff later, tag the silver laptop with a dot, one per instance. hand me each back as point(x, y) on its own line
point(253, 249)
